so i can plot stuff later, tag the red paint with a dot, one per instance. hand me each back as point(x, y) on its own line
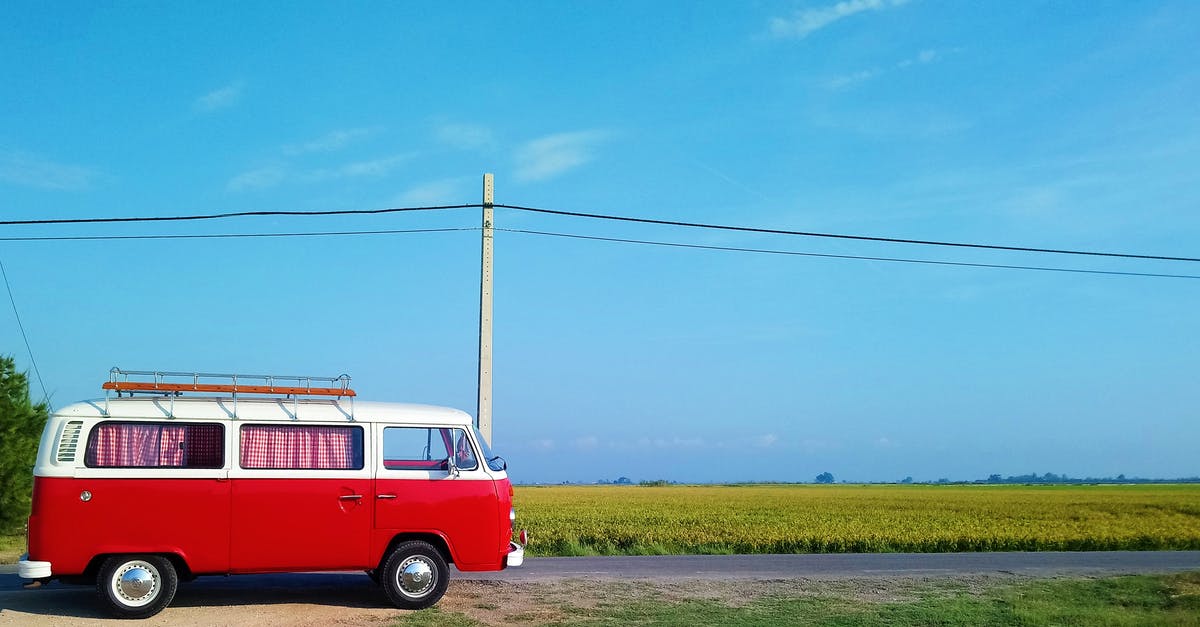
point(188, 517)
point(247, 525)
point(300, 524)
point(463, 512)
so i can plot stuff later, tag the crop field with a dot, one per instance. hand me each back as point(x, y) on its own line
point(646, 520)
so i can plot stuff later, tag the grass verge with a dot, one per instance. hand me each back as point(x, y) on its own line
point(11, 548)
point(1131, 600)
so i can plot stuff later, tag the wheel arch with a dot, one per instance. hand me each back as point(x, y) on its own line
point(93, 568)
point(437, 540)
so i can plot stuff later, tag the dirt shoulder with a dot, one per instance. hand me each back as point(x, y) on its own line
point(353, 600)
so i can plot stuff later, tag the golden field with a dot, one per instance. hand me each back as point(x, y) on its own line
point(582, 520)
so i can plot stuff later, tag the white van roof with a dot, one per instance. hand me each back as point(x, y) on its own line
point(263, 409)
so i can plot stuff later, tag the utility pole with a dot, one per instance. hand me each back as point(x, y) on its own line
point(483, 413)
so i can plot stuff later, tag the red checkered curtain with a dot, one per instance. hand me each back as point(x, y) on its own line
point(170, 450)
point(299, 447)
point(124, 445)
point(156, 445)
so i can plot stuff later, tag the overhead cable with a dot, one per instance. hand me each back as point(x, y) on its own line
point(866, 238)
point(21, 327)
point(87, 238)
point(599, 216)
point(862, 257)
point(232, 214)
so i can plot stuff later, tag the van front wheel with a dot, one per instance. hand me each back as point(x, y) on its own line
point(415, 575)
point(136, 586)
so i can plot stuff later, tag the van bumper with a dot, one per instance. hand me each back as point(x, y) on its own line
point(27, 569)
point(516, 555)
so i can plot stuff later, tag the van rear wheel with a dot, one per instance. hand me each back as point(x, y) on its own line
point(136, 586)
point(415, 575)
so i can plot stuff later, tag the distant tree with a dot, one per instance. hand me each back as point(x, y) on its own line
point(825, 477)
point(21, 423)
point(995, 479)
point(624, 481)
point(906, 479)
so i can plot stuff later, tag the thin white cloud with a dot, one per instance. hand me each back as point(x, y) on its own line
point(586, 443)
point(332, 141)
point(442, 191)
point(29, 170)
point(372, 168)
point(465, 136)
point(272, 175)
point(544, 444)
point(924, 56)
point(552, 155)
point(766, 441)
point(259, 178)
point(221, 98)
point(848, 80)
point(678, 442)
point(807, 21)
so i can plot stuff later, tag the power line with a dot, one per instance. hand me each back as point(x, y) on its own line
point(583, 237)
point(88, 238)
point(866, 238)
point(234, 214)
point(578, 214)
point(866, 258)
point(4, 272)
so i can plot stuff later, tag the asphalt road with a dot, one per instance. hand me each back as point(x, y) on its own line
point(676, 567)
point(848, 565)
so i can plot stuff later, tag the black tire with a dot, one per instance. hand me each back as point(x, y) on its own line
point(136, 586)
point(415, 575)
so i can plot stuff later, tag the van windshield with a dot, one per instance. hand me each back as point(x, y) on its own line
point(494, 461)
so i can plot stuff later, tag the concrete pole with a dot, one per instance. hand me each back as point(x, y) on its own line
point(483, 413)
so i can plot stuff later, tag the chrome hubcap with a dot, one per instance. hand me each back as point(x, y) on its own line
point(415, 576)
point(135, 583)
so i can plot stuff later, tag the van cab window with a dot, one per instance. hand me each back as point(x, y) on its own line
point(415, 448)
point(156, 445)
point(301, 447)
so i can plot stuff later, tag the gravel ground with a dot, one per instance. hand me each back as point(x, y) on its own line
point(342, 599)
point(540, 591)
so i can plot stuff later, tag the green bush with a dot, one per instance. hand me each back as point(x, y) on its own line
point(21, 423)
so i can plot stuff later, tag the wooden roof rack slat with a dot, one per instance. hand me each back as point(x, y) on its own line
point(234, 384)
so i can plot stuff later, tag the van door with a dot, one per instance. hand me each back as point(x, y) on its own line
point(301, 498)
point(417, 491)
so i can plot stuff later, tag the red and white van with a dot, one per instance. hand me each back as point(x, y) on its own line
point(178, 477)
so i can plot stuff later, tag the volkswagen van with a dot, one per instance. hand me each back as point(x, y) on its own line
point(173, 476)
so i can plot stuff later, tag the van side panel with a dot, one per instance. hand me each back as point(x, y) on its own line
point(188, 517)
point(300, 524)
point(461, 510)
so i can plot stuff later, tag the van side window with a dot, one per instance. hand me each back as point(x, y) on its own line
point(156, 445)
point(302, 447)
point(414, 448)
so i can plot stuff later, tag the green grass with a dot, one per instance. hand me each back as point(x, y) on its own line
point(1115, 601)
point(11, 548)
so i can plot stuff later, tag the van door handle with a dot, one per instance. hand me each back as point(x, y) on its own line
point(350, 497)
point(385, 496)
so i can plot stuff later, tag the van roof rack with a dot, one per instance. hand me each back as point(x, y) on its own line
point(178, 383)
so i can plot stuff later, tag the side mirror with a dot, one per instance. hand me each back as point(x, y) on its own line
point(451, 467)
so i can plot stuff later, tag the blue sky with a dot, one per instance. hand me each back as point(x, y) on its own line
point(1046, 124)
